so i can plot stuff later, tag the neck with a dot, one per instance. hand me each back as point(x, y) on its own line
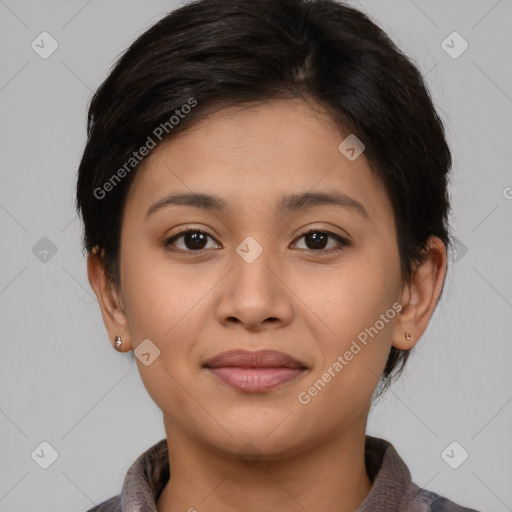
point(330, 476)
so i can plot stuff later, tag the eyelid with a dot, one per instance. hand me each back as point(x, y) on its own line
point(320, 229)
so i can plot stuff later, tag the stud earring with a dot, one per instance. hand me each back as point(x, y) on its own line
point(118, 343)
point(408, 336)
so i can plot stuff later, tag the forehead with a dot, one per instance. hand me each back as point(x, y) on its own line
point(252, 156)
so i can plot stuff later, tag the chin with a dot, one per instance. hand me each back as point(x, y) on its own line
point(260, 436)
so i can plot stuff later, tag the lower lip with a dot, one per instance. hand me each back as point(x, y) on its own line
point(255, 379)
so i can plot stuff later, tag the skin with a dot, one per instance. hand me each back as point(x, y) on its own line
point(308, 302)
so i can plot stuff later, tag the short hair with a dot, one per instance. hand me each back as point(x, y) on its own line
point(211, 54)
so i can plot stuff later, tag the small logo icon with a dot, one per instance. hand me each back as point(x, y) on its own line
point(459, 250)
point(507, 192)
point(146, 352)
point(44, 45)
point(249, 250)
point(44, 455)
point(44, 250)
point(351, 147)
point(454, 455)
point(454, 45)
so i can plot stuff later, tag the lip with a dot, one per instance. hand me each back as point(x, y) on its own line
point(254, 371)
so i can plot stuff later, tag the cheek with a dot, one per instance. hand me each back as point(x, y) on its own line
point(340, 388)
point(344, 300)
point(355, 312)
point(163, 306)
point(156, 293)
point(167, 304)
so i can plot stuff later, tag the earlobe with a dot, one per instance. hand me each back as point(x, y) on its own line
point(421, 296)
point(408, 341)
point(113, 316)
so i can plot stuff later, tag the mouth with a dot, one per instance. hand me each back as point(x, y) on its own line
point(254, 371)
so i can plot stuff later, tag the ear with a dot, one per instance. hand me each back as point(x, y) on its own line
point(420, 296)
point(108, 298)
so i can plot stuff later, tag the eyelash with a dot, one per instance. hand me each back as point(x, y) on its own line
point(343, 241)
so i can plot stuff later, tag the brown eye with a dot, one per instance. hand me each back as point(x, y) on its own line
point(194, 240)
point(317, 240)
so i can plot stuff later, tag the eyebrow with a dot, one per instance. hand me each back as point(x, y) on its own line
point(288, 203)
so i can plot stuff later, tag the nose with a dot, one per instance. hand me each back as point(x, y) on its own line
point(254, 296)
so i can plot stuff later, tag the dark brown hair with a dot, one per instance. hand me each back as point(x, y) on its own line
point(210, 54)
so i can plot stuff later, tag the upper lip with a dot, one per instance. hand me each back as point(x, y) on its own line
point(248, 359)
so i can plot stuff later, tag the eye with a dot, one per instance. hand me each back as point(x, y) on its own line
point(317, 240)
point(194, 240)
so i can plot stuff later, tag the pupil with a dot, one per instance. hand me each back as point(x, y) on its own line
point(197, 239)
point(316, 237)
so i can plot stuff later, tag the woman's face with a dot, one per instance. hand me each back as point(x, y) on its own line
point(250, 279)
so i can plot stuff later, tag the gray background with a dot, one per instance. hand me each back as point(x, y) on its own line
point(61, 381)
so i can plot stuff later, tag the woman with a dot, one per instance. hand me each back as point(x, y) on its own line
point(264, 197)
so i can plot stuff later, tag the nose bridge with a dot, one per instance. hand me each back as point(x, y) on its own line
point(253, 292)
point(253, 259)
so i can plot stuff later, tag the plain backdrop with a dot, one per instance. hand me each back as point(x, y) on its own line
point(61, 382)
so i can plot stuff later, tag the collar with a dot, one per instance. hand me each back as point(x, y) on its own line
point(392, 487)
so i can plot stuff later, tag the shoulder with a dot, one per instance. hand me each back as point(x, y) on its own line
point(144, 480)
point(392, 486)
point(111, 505)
